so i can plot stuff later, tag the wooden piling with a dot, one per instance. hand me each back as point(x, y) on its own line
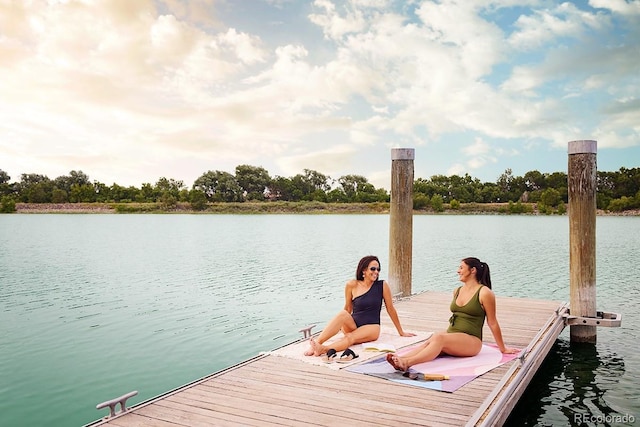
point(582, 236)
point(401, 220)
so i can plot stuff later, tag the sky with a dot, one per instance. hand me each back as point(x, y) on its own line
point(129, 92)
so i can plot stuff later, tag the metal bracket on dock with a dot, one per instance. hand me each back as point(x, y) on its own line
point(122, 400)
point(306, 332)
point(602, 318)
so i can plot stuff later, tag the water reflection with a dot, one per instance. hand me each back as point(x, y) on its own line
point(575, 377)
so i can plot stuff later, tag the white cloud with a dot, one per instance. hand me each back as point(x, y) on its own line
point(479, 154)
point(334, 25)
point(623, 7)
point(121, 86)
point(547, 25)
point(477, 41)
point(327, 161)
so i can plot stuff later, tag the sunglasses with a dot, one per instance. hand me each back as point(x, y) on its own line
point(375, 269)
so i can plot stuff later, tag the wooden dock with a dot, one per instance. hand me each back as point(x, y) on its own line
point(270, 390)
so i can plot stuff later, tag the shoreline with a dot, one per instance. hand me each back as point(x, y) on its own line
point(274, 208)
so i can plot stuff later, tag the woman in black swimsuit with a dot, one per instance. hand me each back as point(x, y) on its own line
point(360, 318)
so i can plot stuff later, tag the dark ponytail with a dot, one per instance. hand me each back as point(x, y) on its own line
point(483, 275)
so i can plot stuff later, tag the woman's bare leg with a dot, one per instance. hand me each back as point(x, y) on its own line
point(364, 333)
point(454, 344)
point(341, 321)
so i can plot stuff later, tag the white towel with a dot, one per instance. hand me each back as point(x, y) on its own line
point(387, 335)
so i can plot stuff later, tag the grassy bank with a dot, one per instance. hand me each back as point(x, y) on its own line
point(211, 208)
point(251, 208)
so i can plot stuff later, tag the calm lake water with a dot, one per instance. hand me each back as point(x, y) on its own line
point(95, 306)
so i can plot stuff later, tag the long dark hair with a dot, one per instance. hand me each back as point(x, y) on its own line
point(483, 275)
point(363, 264)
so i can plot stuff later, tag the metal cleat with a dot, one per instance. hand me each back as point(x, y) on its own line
point(122, 400)
point(602, 318)
point(306, 332)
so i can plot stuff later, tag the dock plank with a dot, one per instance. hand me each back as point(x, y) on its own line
point(272, 390)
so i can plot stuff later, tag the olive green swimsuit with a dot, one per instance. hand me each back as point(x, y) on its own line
point(469, 318)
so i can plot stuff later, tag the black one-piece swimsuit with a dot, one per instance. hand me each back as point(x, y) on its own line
point(366, 307)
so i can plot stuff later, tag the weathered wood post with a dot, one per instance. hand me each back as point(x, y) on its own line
point(582, 236)
point(401, 220)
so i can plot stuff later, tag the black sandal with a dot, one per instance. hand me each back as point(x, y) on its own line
point(347, 356)
point(329, 356)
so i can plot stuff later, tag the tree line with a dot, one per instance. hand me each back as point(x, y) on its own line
point(616, 191)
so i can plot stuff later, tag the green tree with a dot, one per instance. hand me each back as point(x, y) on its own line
point(423, 186)
point(149, 193)
point(489, 193)
point(184, 195)
point(5, 187)
point(198, 200)
point(562, 208)
point(170, 186)
point(82, 193)
point(219, 186)
point(518, 207)
point(351, 184)
point(437, 203)
point(463, 188)
point(65, 182)
point(627, 182)
point(442, 186)
point(367, 194)
point(124, 194)
point(619, 205)
point(559, 181)
point(253, 181)
point(420, 201)
point(602, 200)
point(383, 195)
point(59, 196)
point(358, 189)
point(7, 204)
point(337, 195)
point(35, 188)
point(544, 209)
point(317, 180)
point(167, 200)
point(511, 187)
point(534, 196)
point(309, 186)
point(535, 180)
point(550, 197)
point(280, 188)
point(103, 193)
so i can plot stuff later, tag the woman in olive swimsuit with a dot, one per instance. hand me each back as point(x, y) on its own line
point(471, 303)
point(360, 318)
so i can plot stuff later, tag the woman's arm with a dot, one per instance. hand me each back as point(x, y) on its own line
point(488, 301)
point(391, 310)
point(348, 295)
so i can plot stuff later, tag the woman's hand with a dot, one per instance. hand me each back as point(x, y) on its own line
point(508, 350)
point(407, 334)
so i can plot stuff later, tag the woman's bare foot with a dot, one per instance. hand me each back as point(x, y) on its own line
point(392, 362)
point(402, 364)
point(318, 349)
point(397, 364)
point(309, 352)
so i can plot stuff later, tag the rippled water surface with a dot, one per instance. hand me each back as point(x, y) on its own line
point(94, 306)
